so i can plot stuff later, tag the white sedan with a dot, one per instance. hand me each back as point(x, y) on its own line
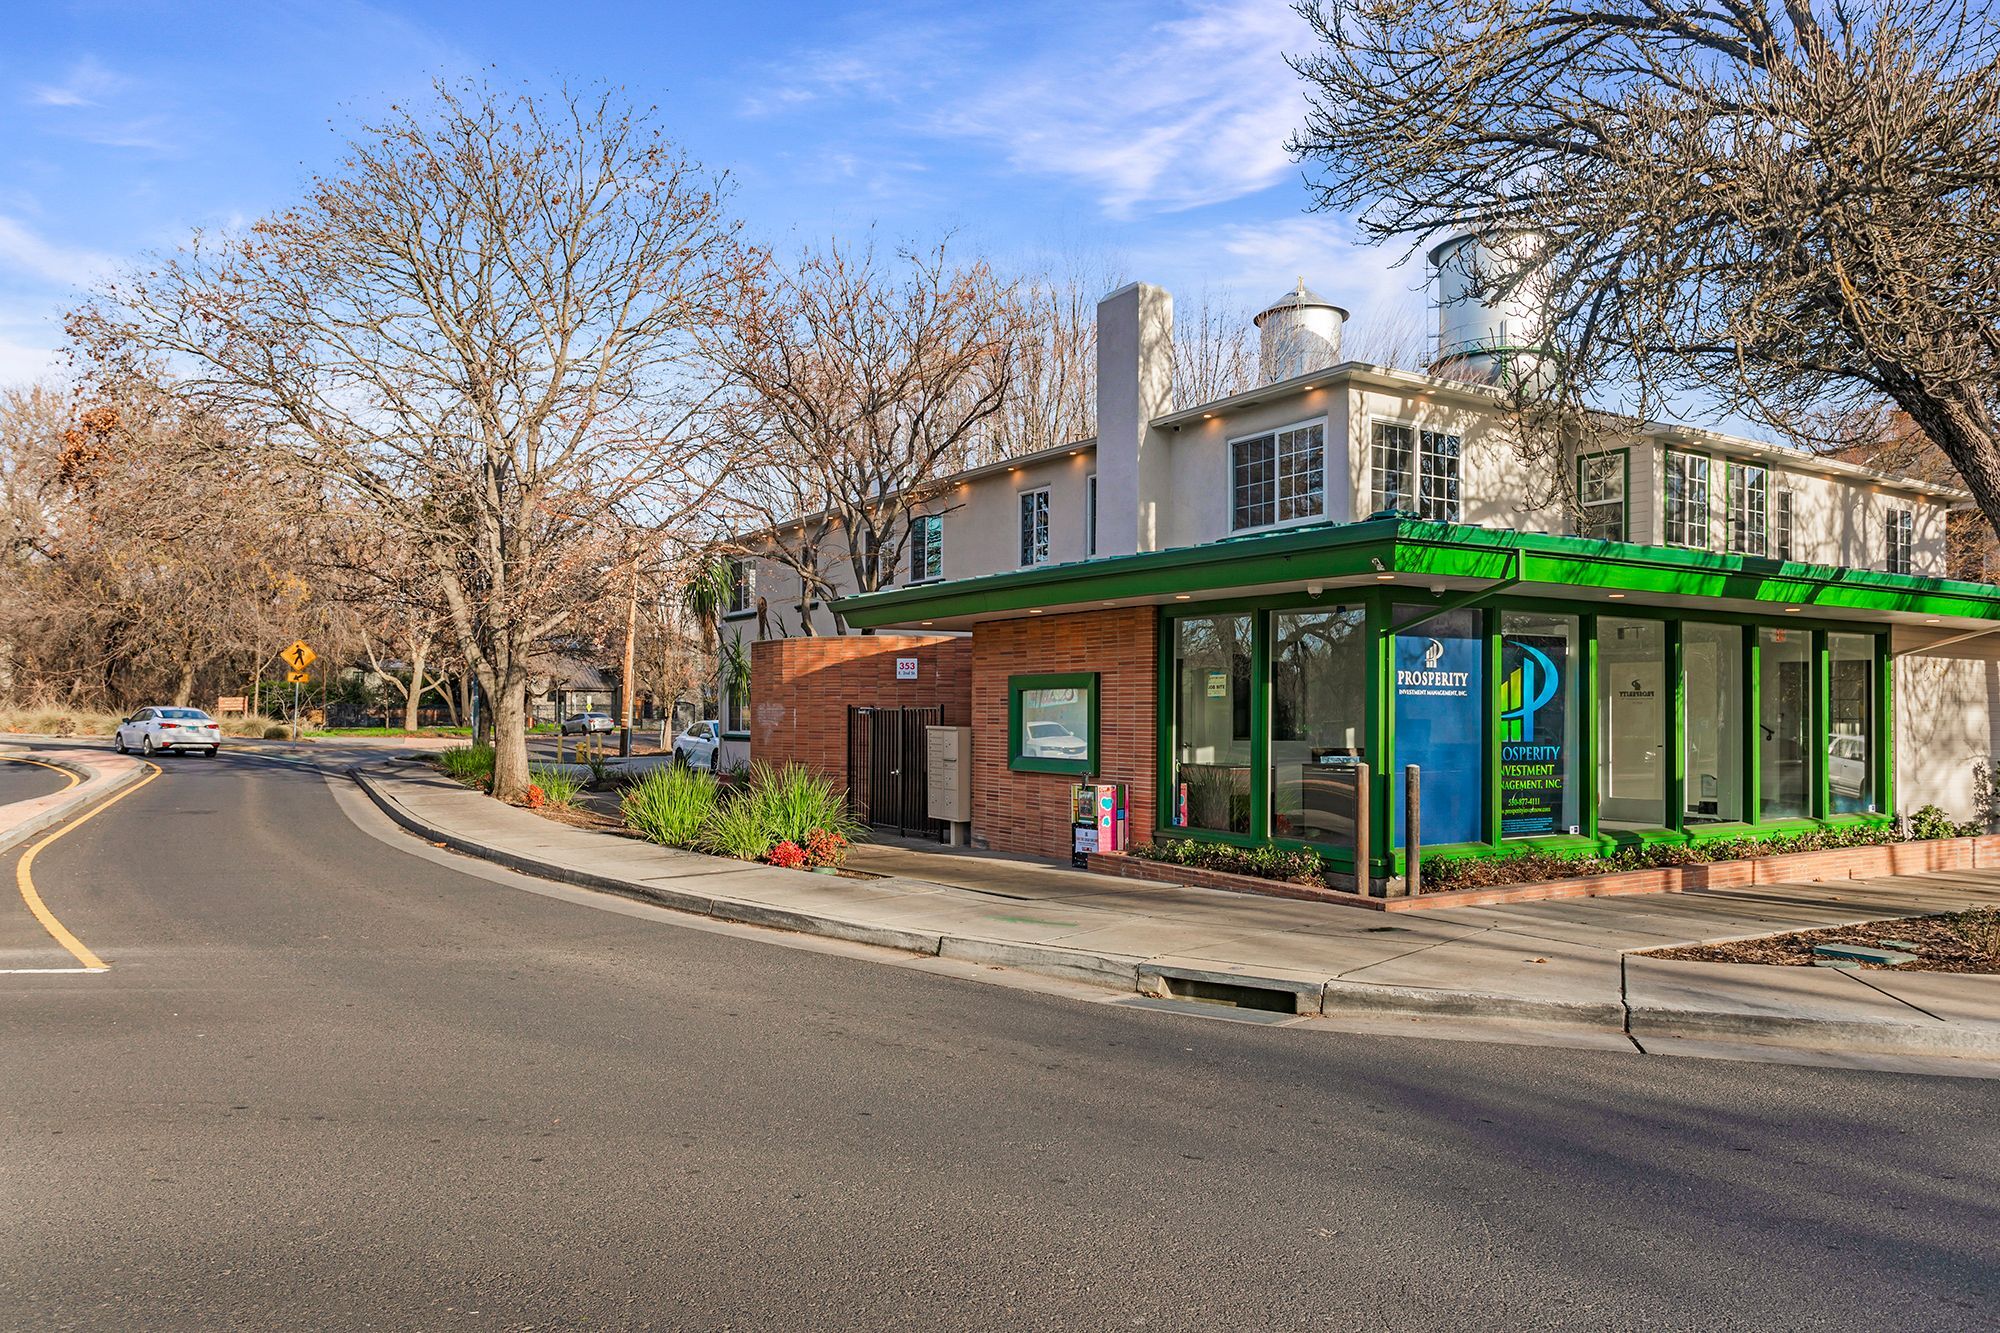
point(696, 746)
point(164, 730)
point(586, 723)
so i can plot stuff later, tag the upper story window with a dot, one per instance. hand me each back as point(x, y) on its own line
point(1035, 527)
point(1279, 477)
point(1902, 539)
point(1600, 488)
point(1090, 514)
point(926, 547)
point(1744, 511)
point(1415, 470)
point(1687, 500)
point(1781, 523)
point(742, 585)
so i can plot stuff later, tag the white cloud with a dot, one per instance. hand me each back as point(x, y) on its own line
point(22, 252)
point(887, 66)
point(87, 83)
point(1189, 111)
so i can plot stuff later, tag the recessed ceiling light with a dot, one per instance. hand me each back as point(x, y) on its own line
point(1617, 596)
point(1182, 596)
point(1208, 416)
point(1034, 610)
point(930, 622)
point(1790, 609)
point(1932, 621)
point(1384, 578)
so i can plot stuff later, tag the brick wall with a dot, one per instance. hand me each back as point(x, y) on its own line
point(1030, 812)
point(800, 690)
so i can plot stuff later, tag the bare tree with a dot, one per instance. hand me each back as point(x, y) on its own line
point(486, 327)
point(1052, 400)
point(1786, 210)
point(868, 383)
point(1391, 334)
point(1213, 357)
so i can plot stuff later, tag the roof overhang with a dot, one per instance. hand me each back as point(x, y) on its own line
point(1435, 557)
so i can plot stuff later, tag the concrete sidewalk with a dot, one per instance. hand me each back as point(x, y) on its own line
point(1565, 963)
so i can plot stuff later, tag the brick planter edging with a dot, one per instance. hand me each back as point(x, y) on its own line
point(1896, 858)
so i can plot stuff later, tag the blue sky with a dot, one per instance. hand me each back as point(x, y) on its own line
point(1130, 138)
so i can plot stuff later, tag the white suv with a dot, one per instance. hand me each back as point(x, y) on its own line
point(163, 730)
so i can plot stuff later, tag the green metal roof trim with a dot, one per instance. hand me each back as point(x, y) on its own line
point(1443, 550)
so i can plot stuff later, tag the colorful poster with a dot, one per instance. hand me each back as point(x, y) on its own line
point(1440, 703)
point(1534, 725)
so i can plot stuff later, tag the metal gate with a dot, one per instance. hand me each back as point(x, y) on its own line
point(886, 782)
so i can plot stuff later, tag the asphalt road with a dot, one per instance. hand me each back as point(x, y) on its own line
point(333, 1081)
point(23, 782)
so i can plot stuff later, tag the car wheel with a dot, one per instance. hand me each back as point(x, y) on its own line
point(146, 746)
point(118, 742)
point(212, 749)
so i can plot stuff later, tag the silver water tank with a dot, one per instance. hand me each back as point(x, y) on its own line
point(1482, 336)
point(1298, 334)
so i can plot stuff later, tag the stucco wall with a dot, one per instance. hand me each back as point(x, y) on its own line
point(1947, 718)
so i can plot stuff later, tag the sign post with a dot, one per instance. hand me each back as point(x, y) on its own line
point(298, 657)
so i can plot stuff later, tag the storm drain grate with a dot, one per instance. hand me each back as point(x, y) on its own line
point(1231, 994)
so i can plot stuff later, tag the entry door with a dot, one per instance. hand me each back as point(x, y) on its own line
point(886, 782)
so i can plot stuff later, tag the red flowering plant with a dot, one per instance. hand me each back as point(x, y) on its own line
point(534, 797)
point(788, 855)
point(824, 847)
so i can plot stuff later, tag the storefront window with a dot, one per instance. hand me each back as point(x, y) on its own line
point(1712, 691)
point(1631, 724)
point(1538, 725)
point(1319, 674)
point(1440, 722)
point(1784, 717)
point(1212, 723)
point(1052, 723)
point(1850, 756)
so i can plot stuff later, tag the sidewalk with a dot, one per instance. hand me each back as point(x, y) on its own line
point(1563, 963)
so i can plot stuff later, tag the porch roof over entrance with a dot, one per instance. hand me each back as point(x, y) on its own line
point(1435, 557)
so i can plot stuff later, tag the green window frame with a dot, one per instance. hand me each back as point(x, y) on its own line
point(1017, 688)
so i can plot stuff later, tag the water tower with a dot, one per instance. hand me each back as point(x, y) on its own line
point(1485, 336)
point(1298, 333)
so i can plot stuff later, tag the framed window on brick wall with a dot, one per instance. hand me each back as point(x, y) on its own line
point(1035, 527)
point(1279, 477)
point(1052, 723)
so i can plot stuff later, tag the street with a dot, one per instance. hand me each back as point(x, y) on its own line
point(336, 1078)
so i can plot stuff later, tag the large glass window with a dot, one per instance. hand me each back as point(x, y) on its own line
point(1745, 514)
point(1687, 500)
point(1319, 674)
point(1784, 722)
point(1631, 724)
point(1212, 723)
point(1712, 722)
point(1415, 470)
point(1601, 496)
point(1280, 477)
point(1440, 722)
point(1850, 757)
point(1538, 725)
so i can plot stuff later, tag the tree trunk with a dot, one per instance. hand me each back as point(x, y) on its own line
point(416, 691)
point(510, 736)
point(184, 687)
point(449, 693)
point(1961, 425)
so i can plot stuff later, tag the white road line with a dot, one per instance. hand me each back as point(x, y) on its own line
point(46, 971)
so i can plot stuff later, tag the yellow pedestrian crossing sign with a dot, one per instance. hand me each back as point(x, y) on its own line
point(299, 657)
point(296, 677)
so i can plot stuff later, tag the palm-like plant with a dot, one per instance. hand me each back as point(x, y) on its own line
point(705, 595)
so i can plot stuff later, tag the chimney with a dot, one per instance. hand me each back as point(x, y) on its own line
point(1298, 333)
point(1135, 385)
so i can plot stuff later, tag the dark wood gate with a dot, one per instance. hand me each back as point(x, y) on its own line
point(886, 782)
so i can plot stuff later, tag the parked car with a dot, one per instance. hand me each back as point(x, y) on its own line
point(1847, 765)
point(1052, 740)
point(164, 730)
point(696, 746)
point(586, 723)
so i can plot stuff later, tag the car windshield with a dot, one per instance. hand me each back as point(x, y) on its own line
point(184, 714)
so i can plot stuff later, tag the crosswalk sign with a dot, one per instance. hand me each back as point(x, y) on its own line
point(298, 657)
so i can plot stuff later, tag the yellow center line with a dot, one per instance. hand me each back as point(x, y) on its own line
point(71, 779)
point(26, 880)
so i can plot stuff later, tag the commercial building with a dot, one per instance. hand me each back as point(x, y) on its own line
point(1641, 633)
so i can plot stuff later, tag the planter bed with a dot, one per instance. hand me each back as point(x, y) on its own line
point(1895, 858)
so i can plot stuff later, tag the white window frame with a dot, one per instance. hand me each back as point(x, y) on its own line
point(1277, 436)
point(1674, 534)
point(1090, 514)
point(1034, 546)
point(1900, 558)
point(1783, 518)
point(1417, 471)
point(1746, 531)
point(742, 586)
point(1620, 463)
point(921, 547)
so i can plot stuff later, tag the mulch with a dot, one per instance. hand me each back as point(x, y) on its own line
point(1953, 942)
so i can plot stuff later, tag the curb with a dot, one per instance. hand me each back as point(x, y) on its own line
point(1332, 998)
point(93, 788)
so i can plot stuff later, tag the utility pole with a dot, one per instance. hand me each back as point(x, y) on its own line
point(625, 677)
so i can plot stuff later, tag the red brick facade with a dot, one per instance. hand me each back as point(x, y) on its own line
point(1030, 812)
point(800, 690)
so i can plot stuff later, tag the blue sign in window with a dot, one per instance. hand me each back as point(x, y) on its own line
point(1441, 725)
